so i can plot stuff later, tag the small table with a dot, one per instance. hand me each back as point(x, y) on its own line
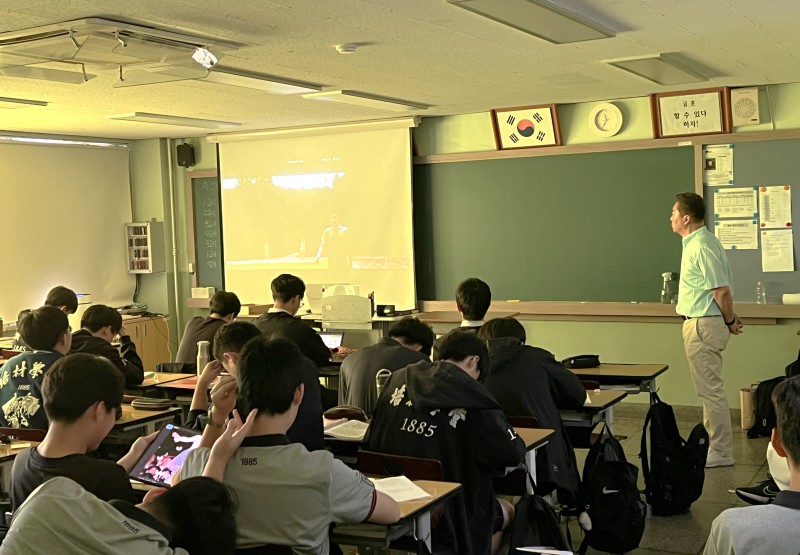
point(642, 376)
point(534, 438)
point(161, 378)
point(148, 419)
point(599, 405)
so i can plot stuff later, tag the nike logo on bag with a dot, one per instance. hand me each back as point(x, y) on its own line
point(605, 491)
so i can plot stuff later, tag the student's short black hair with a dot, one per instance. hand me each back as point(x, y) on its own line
point(42, 328)
point(473, 298)
point(61, 296)
point(502, 327)
point(224, 303)
point(458, 345)
point(412, 331)
point(786, 398)
point(693, 205)
point(201, 513)
point(232, 337)
point(99, 316)
point(286, 286)
point(76, 382)
point(268, 372)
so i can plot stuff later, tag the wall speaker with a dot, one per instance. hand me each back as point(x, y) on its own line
point(185, 155)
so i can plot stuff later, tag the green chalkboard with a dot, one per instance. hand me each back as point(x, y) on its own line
point(573, 227)
point(208, 232)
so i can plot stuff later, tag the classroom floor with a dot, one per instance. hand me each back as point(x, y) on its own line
point(686, 533)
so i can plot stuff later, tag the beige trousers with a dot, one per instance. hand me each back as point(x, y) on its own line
point(704, 339)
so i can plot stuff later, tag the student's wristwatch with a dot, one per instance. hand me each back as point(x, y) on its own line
point(211, 421)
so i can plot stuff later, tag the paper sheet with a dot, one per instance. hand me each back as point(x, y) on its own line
point(718, 165)
point(400, 488)
point(737, 234)
point(545, 550)
point(777, 250)
point(352, 430)
point(739, 202)
point(775, 205)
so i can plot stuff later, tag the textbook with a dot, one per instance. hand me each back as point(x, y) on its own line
point(348, 430)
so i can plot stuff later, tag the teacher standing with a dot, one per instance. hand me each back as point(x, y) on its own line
point(705, 300)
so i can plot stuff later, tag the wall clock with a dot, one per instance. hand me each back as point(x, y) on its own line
point(605, 119)
point(526, 127)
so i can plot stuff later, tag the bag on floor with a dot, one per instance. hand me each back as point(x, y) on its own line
point(674, 471)
point(611, 498)
point(765, 410)
point(535, 524)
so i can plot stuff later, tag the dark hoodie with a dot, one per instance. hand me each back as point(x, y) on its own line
point(437, 411)
point(528, 381)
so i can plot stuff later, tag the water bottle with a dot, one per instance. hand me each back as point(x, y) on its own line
point(202, 355)
point(668, 290)
point(761, 293)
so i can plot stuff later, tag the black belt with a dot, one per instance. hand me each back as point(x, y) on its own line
point(693, 317)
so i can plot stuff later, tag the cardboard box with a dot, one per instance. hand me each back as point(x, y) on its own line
point(254, 309)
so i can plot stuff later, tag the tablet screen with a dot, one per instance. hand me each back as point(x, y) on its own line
point(332, 340)
point(166, 455)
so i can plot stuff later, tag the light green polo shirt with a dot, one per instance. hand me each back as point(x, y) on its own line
point(704, 266)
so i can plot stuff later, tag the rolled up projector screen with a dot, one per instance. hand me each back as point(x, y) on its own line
point(329, 208)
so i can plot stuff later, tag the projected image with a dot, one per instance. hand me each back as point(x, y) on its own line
point(322, 208)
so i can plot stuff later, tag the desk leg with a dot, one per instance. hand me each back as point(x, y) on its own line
point(422, 532)
point(609, 417)
point(530, 463)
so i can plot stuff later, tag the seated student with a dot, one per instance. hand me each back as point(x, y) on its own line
point(287, 292)
point(441, 411)
point(60, 297)
point(195, 516)
point(224, 308)
point(81, 394)
point(46, 331)
point(99, 325)
point(529, 381)
point(774, 528)
point(473, 298)
point(409, 341)
point(287, 495)
point(228, 343)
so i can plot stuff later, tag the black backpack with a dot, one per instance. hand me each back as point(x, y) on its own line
point(611, 498)
point(675, 470)
point(535, 524)
point(765, 410)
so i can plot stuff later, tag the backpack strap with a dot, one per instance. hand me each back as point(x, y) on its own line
point(643, 450)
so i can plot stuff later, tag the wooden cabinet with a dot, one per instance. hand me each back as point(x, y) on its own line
point(151, 336)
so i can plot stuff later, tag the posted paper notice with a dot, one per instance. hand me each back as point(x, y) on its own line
point(737, 234)
point(775, 205)
point(718, 165)
point(738, 202)
point(777, 250)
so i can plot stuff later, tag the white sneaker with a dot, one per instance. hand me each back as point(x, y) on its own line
point(714, 460)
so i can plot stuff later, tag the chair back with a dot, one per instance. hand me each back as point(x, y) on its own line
point(414, 468)
point(523, 421)
point(345, 411)
point(8, 353)
point(25, 434)
point(381, 378)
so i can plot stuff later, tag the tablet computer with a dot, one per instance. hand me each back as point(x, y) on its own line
point(165, 456)
point(332, 340)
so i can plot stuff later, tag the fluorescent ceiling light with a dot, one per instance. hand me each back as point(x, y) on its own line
point(538, 18)
point(174, 120)
point(261, 82)
point(660, 69)
point(355, 98)
point(62, 142)
point(58, 75)
point(14, 103)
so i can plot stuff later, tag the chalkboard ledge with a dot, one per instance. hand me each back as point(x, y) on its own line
point(618, 311)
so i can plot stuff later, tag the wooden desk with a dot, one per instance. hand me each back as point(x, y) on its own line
point(161, 378)
point(598, 406)
point(643, 376)
point(417, 513)
point(148, 419)
point(454, 317)
point(186, 383)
